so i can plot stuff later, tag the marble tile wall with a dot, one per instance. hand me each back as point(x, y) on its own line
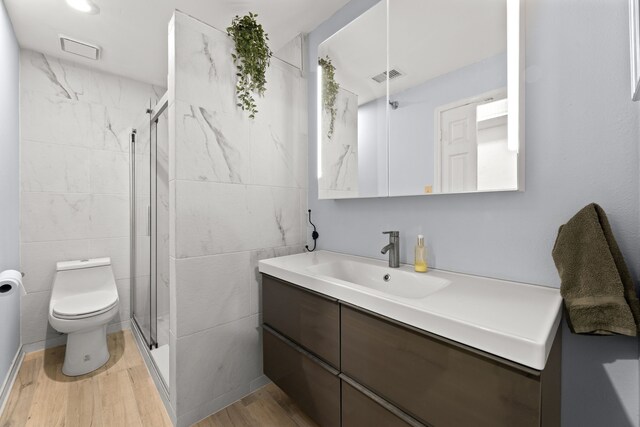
point(74, 166)
point(340, 151)
point(238, 192)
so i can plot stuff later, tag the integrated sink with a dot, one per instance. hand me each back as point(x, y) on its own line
point(512, 320)
point(392, 281)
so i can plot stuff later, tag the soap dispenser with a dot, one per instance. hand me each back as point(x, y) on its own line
point(420, 263)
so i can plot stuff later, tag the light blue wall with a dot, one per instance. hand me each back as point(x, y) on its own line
point(582, 136)
point(9, 184)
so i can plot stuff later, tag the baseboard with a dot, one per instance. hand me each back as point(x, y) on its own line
point(62, 338)
point(11, 379)
point(259, 382)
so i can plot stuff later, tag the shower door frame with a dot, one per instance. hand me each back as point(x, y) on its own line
point(154, 113)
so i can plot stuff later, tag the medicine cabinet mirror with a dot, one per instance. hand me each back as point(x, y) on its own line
point(423, 97)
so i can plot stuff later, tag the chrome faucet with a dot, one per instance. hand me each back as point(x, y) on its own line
point(393, 248)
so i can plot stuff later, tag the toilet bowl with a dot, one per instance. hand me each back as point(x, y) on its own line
point(84, 299)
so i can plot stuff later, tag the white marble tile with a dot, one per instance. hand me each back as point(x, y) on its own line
point(38, 261)
point(54, 77)
point(278, 143)
point(54, 168)
point(34, 324)
point(124, 304)
point(292, 51)
point(305, 228)
point(173, 298)
point(255, 278)
point(53, 216)
point(60, 121)
point(67, 80)
point(115, 248)
point(116, 128)
point(109, 172)
point(274, 216)
point(340, 152)
point(211, 146)
point(205, 74)
point(212, 218)
point(216, 361)
point(215, 218)
point(109, 216)
point(211, 290)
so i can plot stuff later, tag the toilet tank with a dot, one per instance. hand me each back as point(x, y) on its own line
point(73, 277)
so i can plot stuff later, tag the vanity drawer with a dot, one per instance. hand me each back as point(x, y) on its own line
point(312, 384)
point(359, 410)
point(309, 319)
point(434, 380)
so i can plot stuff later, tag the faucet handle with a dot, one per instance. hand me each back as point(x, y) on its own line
point(392, 233)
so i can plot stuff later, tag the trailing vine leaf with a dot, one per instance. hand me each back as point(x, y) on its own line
point(252, 57)
point(329, 91)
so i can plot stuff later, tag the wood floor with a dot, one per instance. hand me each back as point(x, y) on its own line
point(266, 407)
point(122, 393)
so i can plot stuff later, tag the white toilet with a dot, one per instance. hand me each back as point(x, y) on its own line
point(83, 300)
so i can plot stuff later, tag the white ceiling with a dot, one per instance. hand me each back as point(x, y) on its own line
point(133, 33)
point(427, 38)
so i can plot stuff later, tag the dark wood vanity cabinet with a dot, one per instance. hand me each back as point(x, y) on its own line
point(437, 381)
point(309, 319)
point(346, 366)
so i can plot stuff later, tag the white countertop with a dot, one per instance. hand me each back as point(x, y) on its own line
point(512, 320)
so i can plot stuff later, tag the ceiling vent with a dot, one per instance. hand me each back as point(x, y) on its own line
point(79, 48)
point(393, 74)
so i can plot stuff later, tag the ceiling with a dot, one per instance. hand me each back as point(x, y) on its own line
point(427, 39)
point(133, 33)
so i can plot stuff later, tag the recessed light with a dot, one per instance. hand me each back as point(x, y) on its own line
point(86, 6)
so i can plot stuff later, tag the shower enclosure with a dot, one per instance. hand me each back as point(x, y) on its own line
point(149, 221)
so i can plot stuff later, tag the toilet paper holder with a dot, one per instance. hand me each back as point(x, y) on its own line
point(9, 281)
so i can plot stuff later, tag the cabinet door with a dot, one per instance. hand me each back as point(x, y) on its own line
point(309, 319)
point(359, 410)
point(313, 387)
point(433, 380)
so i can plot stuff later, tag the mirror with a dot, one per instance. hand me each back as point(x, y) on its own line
point(422, 97)
point(352, 160)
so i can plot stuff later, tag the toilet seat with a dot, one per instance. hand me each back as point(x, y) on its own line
point(86, 304)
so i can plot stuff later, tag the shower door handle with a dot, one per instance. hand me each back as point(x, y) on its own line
point(148, 220)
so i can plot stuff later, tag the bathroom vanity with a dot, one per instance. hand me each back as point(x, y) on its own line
point(442, 349)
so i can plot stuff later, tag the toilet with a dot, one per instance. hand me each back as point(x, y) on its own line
point(84, 299)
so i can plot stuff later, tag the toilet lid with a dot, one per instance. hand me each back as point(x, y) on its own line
point(85, 304)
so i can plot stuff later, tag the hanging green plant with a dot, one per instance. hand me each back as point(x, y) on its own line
point(252, 56)
point(329, 91)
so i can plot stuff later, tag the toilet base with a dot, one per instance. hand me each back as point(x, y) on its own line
point(86, 351)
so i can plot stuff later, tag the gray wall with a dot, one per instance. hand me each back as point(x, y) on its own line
point(582, 146)
point(9, 213)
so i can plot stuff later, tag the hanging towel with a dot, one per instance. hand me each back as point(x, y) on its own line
point(597, 288)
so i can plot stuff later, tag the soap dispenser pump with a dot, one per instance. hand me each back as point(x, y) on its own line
point(420, 263)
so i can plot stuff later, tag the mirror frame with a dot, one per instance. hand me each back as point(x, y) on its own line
point(516, 40)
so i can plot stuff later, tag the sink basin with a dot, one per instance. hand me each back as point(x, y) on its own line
point(392, 281)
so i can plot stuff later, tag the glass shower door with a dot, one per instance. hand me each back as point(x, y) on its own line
point(142, 288)
point(150, 234)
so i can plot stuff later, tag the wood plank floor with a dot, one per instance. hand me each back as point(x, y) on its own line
point(266, 407)
point(122, 393)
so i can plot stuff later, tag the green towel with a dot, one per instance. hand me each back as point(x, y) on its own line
point(597, 288)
